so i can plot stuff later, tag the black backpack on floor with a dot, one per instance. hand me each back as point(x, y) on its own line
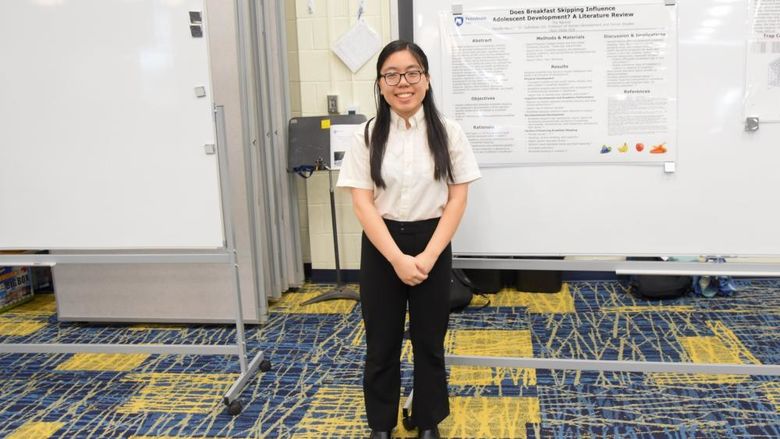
point(461, 291)
point(660, 287)
point(487, 281)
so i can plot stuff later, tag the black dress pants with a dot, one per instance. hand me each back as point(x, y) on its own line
point(383, 299)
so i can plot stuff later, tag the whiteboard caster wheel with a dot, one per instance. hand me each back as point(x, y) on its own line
point(407, 423)
point(235, 407)
point(265, 365)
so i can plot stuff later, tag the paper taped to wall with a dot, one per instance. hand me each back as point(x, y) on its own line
point(357, 45)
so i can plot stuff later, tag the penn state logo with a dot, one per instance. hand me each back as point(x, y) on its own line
point(458, 20)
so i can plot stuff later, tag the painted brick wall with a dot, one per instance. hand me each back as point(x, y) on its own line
point(316, 72)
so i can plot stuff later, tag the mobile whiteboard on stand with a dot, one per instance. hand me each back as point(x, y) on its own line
point(113, 151)
point(710, 200)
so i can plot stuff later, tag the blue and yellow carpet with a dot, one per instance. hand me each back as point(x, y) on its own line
point(314, 387)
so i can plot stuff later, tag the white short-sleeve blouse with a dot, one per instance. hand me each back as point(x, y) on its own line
point(411, 192)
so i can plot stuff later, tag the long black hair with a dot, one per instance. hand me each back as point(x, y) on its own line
point(437, 134)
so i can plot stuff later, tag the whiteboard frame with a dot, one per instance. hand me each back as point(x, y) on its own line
point(100, 147)
point(734, 267)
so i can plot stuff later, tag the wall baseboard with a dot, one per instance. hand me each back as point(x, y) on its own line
point(329, 275)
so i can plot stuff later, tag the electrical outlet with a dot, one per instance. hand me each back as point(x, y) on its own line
point(333, 104)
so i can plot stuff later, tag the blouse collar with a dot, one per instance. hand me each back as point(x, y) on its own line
point(415, 121)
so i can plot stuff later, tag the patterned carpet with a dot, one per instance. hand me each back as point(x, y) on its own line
point(314, 391)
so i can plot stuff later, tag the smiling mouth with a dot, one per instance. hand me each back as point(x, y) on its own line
point(404, 95)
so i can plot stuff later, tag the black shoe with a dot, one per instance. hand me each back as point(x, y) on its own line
point(429, 433)
point(379, 434)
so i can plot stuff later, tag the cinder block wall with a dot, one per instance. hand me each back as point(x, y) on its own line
point(315, 73)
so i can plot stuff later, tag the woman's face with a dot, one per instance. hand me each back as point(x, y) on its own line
point(404, 98)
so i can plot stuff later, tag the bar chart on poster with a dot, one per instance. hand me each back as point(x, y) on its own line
point(612, 128)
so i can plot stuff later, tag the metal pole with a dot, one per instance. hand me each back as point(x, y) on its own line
point(335, 229)
point(230, 238)
point(340, 291)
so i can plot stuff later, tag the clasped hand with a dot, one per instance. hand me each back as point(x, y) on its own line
point(413, 270)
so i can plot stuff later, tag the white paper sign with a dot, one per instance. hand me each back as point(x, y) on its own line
point(563, 83)
point(762, 98)
point(357, 45)
point(340, 141)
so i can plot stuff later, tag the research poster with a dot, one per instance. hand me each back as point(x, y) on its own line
point(570, 84)
point(763, 61)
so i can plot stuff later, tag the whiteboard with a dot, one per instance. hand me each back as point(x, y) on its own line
point(722, 199)
point(102, 133)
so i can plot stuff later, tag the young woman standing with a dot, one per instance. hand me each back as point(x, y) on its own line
point(408, 171)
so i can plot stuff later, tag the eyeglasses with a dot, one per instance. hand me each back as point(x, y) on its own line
point(412, 77)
